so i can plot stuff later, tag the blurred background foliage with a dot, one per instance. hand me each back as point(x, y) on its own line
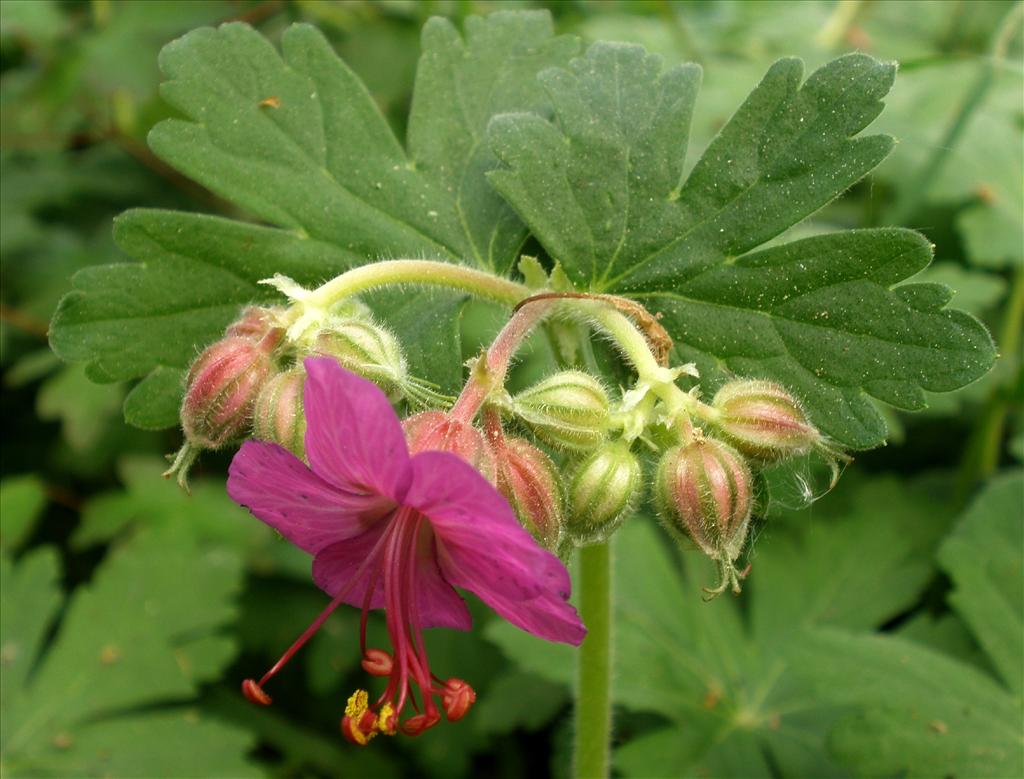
point(130, 611)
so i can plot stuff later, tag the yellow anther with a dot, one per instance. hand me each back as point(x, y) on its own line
point(358, 703)
point(385, 716)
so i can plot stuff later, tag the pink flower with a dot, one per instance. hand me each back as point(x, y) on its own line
point(392, 530)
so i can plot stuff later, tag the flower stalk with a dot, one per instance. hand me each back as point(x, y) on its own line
point(593, 673)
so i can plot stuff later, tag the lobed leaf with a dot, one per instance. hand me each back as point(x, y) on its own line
point(295, 139)
point(983, 558)
point(604, 191)
point(135, 637)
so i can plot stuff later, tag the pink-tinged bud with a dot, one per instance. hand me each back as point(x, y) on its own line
point(278, 415)
point(705, 490)
point(255, 323)
point(569, 410)
point(436, 431)
point(223, 384)
point(531, 484)
point(761, 419)
point(602, 492)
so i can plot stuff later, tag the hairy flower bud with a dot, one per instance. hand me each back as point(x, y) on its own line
point(222, 387)
point(704, 489)
point(531, 484)
point(602, 491)
point(568, 410)
point(763, 420)
point(368, 349)
point(254, 323)
point(435, 430)
point(278, 415)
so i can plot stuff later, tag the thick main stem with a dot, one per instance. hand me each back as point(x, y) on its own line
point(593, 681)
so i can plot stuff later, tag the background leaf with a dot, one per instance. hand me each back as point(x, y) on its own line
point(132, 638)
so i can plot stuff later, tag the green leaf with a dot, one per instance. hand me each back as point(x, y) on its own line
point(918, 712)
point(518, 700)
point(605, 192)
point(983, 557)
point(921, 714)
point(206, 514)
point(22, 499)
point(321, 164)
point(819, 575)
point(974, 291)
point(134, 637)
point(86, 410)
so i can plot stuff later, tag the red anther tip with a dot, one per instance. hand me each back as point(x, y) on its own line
point(359, 730)
point(254, 693)
point(421, 722)
point(457, 698)
point(377, 662)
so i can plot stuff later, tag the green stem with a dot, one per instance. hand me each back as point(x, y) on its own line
point(593, 681)
point(981, 457)
point(380, 274)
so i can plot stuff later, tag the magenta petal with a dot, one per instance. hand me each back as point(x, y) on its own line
point(335, 567)
point(353, 437)
point(280, 490)
point(439, 605)
point(481, 545)
point(482, 548)
point(548, 616)
point(437, 602)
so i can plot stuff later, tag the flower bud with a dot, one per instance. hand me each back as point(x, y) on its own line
point(254, 323)
point(278, 415)
point(367, 349)
point(761, 419)
point(568, 410)
point(704, 489)
point(223, 384)
point(436, 431)
point(602, 492)
point(531, 484)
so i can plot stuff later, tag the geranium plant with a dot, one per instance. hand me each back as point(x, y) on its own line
point(689, 343)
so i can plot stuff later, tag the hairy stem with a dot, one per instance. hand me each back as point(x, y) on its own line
point(490, 374)
point(985, 446)
point(593, 681)
point(429, 272)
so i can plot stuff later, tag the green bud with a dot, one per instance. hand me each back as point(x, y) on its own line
point(602, 492)
point(568, 410)
point(279, 416)
point(704, 490)
point(763, 420)
point(367, 349)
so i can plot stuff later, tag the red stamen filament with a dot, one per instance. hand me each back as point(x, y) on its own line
point(394, 557)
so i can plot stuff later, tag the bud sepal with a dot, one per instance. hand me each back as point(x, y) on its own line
point(530, 482)
point(704, 490)
point(569, 410)
point(603, 489)
point(763, 420)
